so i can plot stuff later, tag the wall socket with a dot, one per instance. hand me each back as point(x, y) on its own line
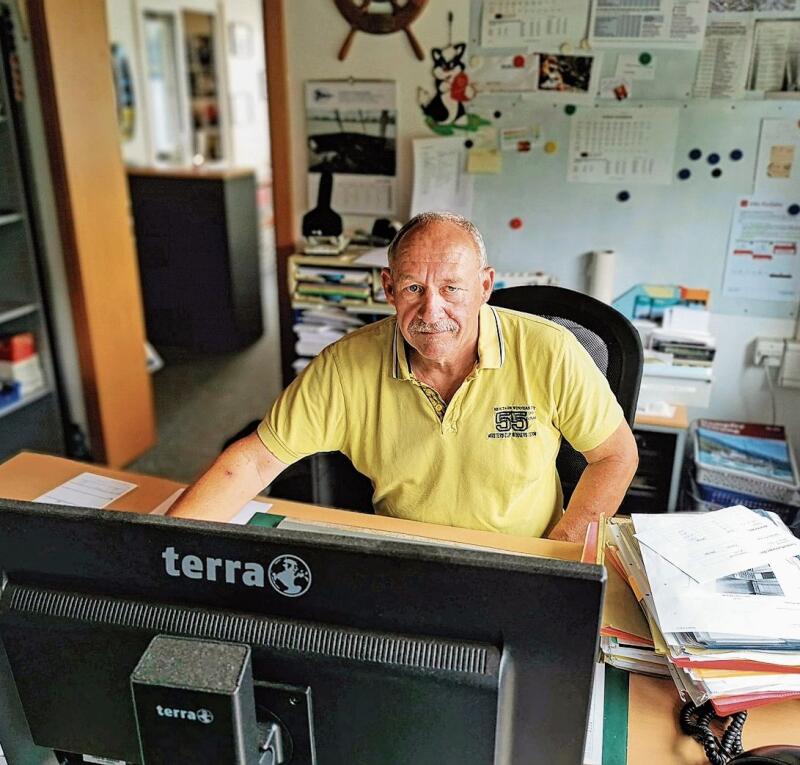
point(768, 351)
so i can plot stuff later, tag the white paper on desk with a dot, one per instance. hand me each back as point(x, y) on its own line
point(707, 546)
point(87, 490)
point(242, 518)
point(441, 182)
point(730, 605)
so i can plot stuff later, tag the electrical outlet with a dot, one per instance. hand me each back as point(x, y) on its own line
point(789, 375)
point(768, 351)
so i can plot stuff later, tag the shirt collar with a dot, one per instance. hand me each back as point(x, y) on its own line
point(491, 345)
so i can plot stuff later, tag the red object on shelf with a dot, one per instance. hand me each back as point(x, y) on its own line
point(515, 223)
point(17, 347)
point(519, 61)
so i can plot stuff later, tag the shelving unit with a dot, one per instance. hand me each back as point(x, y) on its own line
point(35, 420)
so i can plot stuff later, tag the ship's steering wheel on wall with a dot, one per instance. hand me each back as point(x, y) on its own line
point(394, 16)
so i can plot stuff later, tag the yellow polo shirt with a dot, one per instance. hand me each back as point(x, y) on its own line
point(487, 461)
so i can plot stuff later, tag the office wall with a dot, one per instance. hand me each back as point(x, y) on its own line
point(675, 233)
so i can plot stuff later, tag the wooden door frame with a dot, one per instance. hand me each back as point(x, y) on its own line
point(278, 102)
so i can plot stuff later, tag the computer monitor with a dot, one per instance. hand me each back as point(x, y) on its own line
point(360, 651)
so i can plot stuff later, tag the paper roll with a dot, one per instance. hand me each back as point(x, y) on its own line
point(601, 274)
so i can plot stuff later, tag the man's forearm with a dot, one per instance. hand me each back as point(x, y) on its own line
point(236, 476)
point(600, 489)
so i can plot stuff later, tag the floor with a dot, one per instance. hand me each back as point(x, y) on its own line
point(201, 399)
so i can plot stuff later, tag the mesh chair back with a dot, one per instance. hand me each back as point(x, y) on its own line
point(609, 338)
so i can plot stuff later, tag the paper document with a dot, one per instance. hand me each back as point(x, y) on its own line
point(593, 751)
point(441, 182)
point(777, 173)
point(678, 23)
point(242, 518)
point(775, 55)
point(167, 503)
point(518, 23)
point(707, 546)
point(722, 69)
point(87, 490)
point(763, 251)
point(614, 145)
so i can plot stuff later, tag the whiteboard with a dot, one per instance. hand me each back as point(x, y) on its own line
point(672, 234)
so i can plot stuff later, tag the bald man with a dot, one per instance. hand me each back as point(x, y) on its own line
point(454, 409)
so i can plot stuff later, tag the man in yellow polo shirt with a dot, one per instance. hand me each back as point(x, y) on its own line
point(454, 409)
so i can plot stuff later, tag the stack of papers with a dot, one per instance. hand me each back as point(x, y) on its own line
point(720, 592)
point(316, 328)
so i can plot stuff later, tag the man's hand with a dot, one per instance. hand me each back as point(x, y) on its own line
point(236, 476)
point(602, 485)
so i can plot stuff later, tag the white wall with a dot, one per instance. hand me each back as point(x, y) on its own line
point(315, 32)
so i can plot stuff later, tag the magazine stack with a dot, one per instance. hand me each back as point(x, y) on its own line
point(741, 463)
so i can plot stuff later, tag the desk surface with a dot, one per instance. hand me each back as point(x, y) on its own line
point(653, 733)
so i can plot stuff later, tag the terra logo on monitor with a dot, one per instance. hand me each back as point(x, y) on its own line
point(287, 574)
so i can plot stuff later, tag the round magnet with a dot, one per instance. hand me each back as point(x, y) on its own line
point(695, 154)
point(623, 196)
point(712, 159)
point(515, 223)
point(716, 172)
point(793, 209)
point(565, 48)
point(684, 173)
point(519, 61)
point(468, 144)
point(737, 154)
point(551, 147)
point(645, 58)
point(570, 109)
point(498, 114)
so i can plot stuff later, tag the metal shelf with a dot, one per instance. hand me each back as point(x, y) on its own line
point(11, 311)
point(30, 398)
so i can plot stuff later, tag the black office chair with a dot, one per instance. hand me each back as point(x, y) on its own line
point(611, 340)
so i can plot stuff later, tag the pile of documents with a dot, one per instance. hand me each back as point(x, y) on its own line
point(720, 594)
point(679, 349)
point(317, 328)
point(333, 285)
point(742, 463)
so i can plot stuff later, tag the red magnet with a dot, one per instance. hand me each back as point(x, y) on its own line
point(519, 61)
point(515, 223)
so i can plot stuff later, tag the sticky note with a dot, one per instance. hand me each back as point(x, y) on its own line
point(487, 161)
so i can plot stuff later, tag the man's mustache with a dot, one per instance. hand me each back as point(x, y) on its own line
point(422, 327)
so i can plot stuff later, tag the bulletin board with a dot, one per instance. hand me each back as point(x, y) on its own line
point(675, 233)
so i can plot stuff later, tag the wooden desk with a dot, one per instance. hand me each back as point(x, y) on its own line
point(653, 735)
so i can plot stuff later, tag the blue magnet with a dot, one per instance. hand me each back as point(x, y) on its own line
point(623, 196)
point(737, 154)
point(712, 159)
point(793, 209)
point(684, 173)
point(716, 172)
point(695, 154)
